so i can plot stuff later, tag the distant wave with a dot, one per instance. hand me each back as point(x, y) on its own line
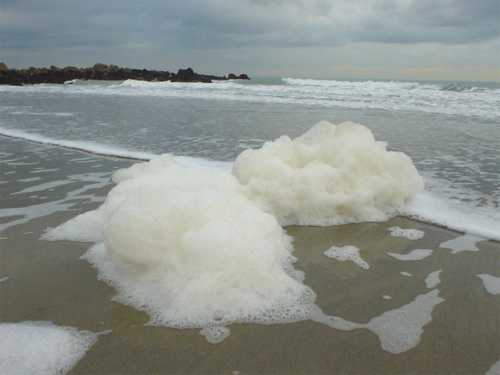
point(437, 98)
point(428, 206)
point(462, 87)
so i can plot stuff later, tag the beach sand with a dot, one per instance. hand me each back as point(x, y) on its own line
point(48, 281)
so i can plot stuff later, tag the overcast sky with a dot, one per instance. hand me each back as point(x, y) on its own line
point(413, 39)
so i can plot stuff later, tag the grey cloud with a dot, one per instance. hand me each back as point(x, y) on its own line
point(229, 23)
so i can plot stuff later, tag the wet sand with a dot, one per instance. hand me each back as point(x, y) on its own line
point(48, 281)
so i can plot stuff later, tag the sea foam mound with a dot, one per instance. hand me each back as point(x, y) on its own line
point(41, 348)
point(187, 246)
point(332, 174)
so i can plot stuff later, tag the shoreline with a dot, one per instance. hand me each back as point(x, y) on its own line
point(47, 281)
point(118, 154)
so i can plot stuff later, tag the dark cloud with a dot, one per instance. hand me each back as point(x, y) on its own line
point(267, 36)
point(229, 23)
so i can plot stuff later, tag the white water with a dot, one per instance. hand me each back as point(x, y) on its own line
point(393, 96)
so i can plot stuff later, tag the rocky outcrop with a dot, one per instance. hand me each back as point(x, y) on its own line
point(234, 76)
point(102, 72)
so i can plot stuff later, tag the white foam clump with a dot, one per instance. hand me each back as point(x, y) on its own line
point(417, 254)
point(332, 174)
point(432, 280)
point(345, 253)
point(491, 283)
point(87, 227)
point(187, 246)
point(41, 348)
point(215, 334)
point(466, 242)
point(398, 330)
point(410, 234)
point(494, 369)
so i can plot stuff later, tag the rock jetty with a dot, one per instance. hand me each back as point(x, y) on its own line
point(102, 72)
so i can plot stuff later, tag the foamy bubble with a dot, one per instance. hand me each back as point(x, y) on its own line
point(345, 253)
point(466, 242)
point(332, 174)
point(410, 234)
point(417, 254)
point(198, 247)
point(491, 283)
point(41, 348)
point(185, 245)
point(215, 334)
point(398, 330)
point(432, 280)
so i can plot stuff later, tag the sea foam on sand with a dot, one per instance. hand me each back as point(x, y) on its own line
point(188, 247)
point(41, 348)
point(197, 246)
point(332, 174)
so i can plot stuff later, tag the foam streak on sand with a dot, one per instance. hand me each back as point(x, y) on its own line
point(410, 234)
point(417, 254)
point(467, 242)
point(347, 253)
point(491, 283)
point(398, 330)
point(432, 280)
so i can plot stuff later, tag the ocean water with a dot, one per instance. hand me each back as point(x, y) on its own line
point(451, 130)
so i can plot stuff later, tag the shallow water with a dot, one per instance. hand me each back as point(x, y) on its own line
point(451, 131)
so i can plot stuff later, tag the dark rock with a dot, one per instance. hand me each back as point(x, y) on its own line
point(100, 71)
point(234, 76)
point(188, 75)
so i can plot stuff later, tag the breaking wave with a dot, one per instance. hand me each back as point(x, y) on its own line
point(440, 98)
